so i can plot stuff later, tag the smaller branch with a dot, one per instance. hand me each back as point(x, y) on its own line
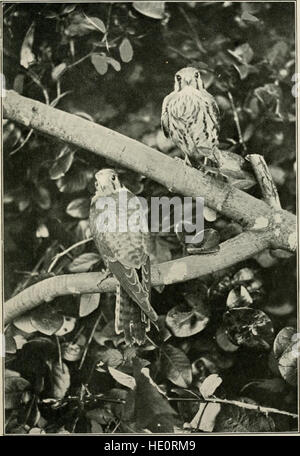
point(269, 192)
point(237, 122)
point(193, 30)
point(265, 180)
point(59, 255)
point(90, 339)
point(240, 404)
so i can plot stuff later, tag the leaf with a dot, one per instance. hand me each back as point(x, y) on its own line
point(176, 366)
point(58, 71)
point(122, 378)
point(249, 327)
point(67, 326)
point(46, 320)
point(148, 402)
point(27, 57)
point(185, 324)
point(209, 385)
point(239, 297)
point(24, 324)
point(15, 385)
point(224, 342)
point(79, 208)
point(237, 419)
point(84, 262)
point(42, 197)
point(61, 380)
point(97, 23)
point(243, 53)
point(209, 214)
point(283, 340)
point(110, 356)
point(88, 303)
point(62, 164)
point(155, 10)
point(114, 63)
point(100, 63)
point(126, 51)
point(205, 418)
point(80, 25)
point(71, 352)
point(248, 17)
point(286, 350)
point(75, 181)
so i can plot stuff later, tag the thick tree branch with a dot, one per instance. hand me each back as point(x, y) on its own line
point(231, 252)
point(230, 201)
point(267, 227)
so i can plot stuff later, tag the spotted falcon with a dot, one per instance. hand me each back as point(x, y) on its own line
point(125, 251)
point(190, 118)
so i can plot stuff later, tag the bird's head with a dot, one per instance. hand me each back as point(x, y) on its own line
point(107, 182)
point(188, 77)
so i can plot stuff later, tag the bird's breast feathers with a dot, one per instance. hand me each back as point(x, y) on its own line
point(117, 223)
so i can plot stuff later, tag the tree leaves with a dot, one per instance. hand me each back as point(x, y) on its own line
point(63, 163)
point(100, 63)
point(155, 10)
point(249, 327)
point(46, 320)
point(122, 378)
point(176, 366)
point(286, 351)
point(209, 385)
point(236, 419)
point(126, 51)
point(149, 404)
point(81, 24)
point(27, 57)
point(88, 303)
point(61, 380)
point(84, 262)
point(79, 208)
point(185, 324)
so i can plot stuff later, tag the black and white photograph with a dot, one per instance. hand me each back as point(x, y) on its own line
point(149, 220)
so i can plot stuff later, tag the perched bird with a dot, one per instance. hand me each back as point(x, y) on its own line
point(190, 117)
point(125, 251)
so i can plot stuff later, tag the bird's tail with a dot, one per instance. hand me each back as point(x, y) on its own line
point(129, 319)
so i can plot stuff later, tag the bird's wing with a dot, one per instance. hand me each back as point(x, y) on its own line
point(137, 290)
point(123, 258)
point(165, 115)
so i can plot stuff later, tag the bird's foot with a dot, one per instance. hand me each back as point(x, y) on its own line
point(186, 160)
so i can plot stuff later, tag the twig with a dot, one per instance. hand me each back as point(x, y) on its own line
point(269, 192)
point(192, 28)
point(59, 354)
point(265, 180)
point(59, 255)
point(26, 139)
point(237, 122)
point(90, 339)
point(240, 404)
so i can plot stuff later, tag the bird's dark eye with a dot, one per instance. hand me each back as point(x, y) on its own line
point(178, 77)
point(113, 178)
point(197, 75)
